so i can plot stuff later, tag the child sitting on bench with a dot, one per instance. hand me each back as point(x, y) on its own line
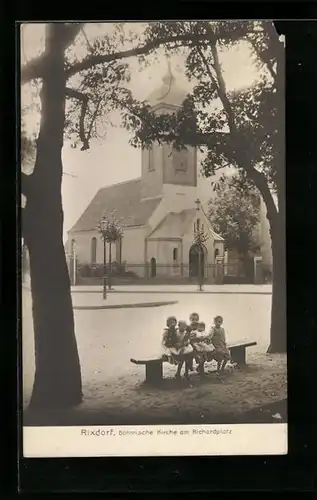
point(217, 337)
point(185, 351)
point(202, 347)
point(192, 330)
point(176, 345)
point(169, 340)
point(193, 322)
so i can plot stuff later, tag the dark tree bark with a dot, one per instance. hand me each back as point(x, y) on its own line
point(278, 312)
point(276, 217)
point(278, 341)
point(57, 368)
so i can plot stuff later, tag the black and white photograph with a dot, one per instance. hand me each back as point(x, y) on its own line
point(153, 238)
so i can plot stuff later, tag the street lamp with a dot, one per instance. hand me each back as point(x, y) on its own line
point(103, 230)
point(111, 230)
point(200, 237)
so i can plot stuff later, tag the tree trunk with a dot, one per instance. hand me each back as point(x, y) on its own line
point(57, 369)
point(278, 223)
point(247, 266)
point(110, 267)
point(278, 311)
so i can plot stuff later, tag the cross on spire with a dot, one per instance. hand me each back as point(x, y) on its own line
point(197, 204)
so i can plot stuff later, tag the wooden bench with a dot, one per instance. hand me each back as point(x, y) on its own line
point(238, 351)
point(153, 368)
point(154, 364)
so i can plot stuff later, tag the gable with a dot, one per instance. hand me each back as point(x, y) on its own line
point(176, 225)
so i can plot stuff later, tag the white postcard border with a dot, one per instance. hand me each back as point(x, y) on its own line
point(160, 440)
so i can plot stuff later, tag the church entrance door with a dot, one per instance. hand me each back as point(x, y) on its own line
point(153, 267)
point(196, 261)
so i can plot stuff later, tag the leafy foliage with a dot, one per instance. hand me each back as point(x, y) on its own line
point(234, 214)
point(200, 237)
point(243, 132)
point(110, 228)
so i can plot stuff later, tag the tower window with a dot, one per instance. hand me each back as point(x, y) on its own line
point(175, 254)
point(180, 160)
point(93, 250)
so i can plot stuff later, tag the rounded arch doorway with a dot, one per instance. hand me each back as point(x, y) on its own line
point(153, 267)
point(197, 260)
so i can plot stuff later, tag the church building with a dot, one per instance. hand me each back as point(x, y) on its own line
point(160, 211)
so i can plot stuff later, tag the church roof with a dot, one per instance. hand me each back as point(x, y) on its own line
point(175, 225)
point(125, 198)
point(168, 93)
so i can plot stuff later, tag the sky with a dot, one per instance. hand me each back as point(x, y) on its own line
point(111, 159)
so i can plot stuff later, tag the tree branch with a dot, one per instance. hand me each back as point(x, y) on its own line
point(266, 61)
point(84, 98)
point(211, 76)
point(86, 38)
point(261, 183)
point(71, 30)
point(242, 160)
point(222, 91)
point(36, 67)
point(91, 61)
point(93, 120)
point(76, 94)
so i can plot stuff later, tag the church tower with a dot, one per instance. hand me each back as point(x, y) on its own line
point(165, 171)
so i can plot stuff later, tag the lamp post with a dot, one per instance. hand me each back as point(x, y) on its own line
point(199, 239)
point(104, 292)
point(103, 230)
point(111, 230)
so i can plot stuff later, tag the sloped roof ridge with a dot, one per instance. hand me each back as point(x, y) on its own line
point(130, 181)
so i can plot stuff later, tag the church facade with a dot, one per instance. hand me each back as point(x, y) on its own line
point(160, 212)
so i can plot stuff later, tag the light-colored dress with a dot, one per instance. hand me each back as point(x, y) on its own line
point(217, 338)
point(180, 348)
point(201, 346)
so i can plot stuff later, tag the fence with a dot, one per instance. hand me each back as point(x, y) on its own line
point(153, 272)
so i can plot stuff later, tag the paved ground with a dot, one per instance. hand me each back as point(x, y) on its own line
point(107, 339)
point(240, 397)
point(112, 385)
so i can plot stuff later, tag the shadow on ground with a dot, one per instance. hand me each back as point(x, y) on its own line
point(262, 415)
point(256, 394)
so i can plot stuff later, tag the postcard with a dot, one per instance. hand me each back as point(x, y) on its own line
point(153, 239)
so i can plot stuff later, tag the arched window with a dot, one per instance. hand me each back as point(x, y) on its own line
point(72, 248)
point(93, 250)
point(175, 254)
point(216, 253)
point(151, 158)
